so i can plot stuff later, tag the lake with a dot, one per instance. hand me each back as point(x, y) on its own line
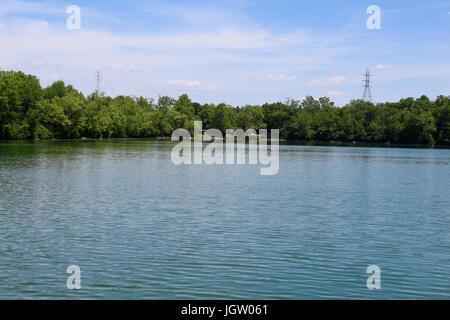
point(140, 227)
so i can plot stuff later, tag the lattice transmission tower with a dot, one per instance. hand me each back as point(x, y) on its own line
point(367, 96)
point(98, 80)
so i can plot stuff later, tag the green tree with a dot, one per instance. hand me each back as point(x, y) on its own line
point(300, 127)
point(224, 118)
point(250, 117)
point(18, 93)
point(48, 120)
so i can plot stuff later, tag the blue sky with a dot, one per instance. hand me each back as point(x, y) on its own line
point(235, 51)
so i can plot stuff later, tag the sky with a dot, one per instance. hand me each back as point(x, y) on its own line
point(233, 51)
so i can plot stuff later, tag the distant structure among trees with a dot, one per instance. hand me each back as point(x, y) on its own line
point(367, 95)
point(28, 111)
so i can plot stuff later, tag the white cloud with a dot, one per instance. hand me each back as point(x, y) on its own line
point(199, 48)
point(335, 93)
point(191, 84)
point(29, 27)
point(125, 67)
point(333, 81)
point(40, 62)
point(215, 42)
point(279, 77)
point(382, 66)
point(210, 14)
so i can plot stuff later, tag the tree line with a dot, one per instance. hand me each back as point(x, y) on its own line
point(59, 111)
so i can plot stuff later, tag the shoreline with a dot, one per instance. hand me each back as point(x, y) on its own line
point(355, 144)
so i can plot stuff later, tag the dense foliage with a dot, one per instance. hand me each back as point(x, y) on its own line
point(59, 111)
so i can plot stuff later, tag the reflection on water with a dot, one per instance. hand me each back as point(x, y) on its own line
point(140, 227)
